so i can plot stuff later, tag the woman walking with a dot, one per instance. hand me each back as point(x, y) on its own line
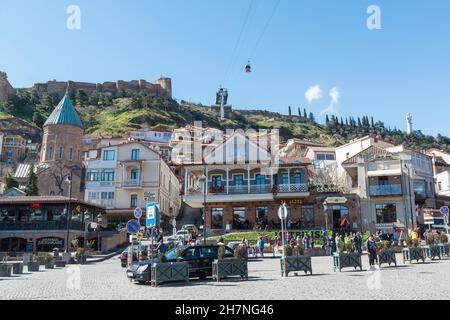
point(372, 250)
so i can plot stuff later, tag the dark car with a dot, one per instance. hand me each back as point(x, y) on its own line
point(139, 253)
point(199, 258)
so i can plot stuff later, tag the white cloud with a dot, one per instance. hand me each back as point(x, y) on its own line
point(313, 93)
point(335, 96)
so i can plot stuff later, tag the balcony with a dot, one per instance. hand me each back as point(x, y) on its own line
point(131, 183)
point(292, 188)
point(385, 190)
point(40, 226)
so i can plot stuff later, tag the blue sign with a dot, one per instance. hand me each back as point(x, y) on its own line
point(133, 226)
point(445, 211)
point(152, 215)
point(138, 213)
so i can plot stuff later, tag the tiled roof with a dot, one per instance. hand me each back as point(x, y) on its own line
point(64, 113)
point(372, 150)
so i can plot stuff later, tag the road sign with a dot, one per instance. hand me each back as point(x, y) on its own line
point(152, 215)
point(133, 226)
point(445, 210)
point(282, 212)
point(138, 213)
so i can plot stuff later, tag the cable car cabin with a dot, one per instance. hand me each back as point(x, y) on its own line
point(248, 68)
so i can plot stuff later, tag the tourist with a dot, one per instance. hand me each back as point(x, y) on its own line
point(339, 243)
point(299, 240)
point(221, 241)
point(276, 244)
point(292, 243)
point(324, 242)
point(261, 246)
point(347, 242)
point(332, 244)
point(358, 242)
point(372, 250)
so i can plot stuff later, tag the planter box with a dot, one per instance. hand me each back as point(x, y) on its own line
point(50, 264)
point(294, 264)
point(444, 248)
point(169, 272)
point(347, 260)
point(82, 259)
point(432, 251)
point(413, 253)
point(17, 268)
point(5, 270)
point(41, 260)
point(33, 266)
point(228, 268)
point(387, 256)
point(26, 258)
point(66, 256)
point(60, 264)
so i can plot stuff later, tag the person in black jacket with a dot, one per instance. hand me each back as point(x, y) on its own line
point(372, 250)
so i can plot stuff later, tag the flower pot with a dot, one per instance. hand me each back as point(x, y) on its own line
point(347, 260)
point(60, 264)
point(413, 253)
point(5, 270)
point(169, 272)
point(82, 259)
point(432, 251)
point(66, 256)
point(387, 256)
point(229, 267)
point(444, 248)
point(33, 266)
point(17, 268)
point(294, 264)
point(50, 264)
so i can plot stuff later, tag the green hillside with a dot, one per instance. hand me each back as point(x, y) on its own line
point(107, 116)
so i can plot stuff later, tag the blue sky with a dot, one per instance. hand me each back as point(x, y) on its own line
point(404, 67)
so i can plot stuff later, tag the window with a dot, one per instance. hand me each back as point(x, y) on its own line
point(320, 156)
point(439, 186)
point(60, 152)
point(216, 181)
point(110, 195)
point(94, 175)
point(260, 180)
point(420, 187)
point(108, 175)
point(284, 178)
point(133, 201)
point(70, 154)
point(208, 252)
point(330, 157)
point(108, 155)
point(308, 215)
point(50, 153)
point(217, 218)
point(386, 213)
point(134, 174)
point(239, 180)
point(104, 195)
point(383, 181)
point(239, 218)
point(93, 195)
point(261, 213)
point(297, 178)
point(135, 154)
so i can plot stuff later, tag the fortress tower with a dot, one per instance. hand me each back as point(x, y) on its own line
point(409, 123)
point(6, 90)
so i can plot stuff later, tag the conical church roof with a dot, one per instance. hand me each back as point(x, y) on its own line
point(64, 113)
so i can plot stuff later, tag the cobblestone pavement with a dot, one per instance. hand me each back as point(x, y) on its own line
point(107, 280)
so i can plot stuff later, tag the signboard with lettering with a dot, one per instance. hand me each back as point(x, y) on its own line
point(152, 215)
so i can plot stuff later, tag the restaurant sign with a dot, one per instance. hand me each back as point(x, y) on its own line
point(50, 241)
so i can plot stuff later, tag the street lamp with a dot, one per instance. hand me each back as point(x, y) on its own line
point(87, 217)
point(204, 179)
point(69, 211)
point(99, 221)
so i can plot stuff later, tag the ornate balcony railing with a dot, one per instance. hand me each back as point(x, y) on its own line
point(385, 190)
point(40, 225)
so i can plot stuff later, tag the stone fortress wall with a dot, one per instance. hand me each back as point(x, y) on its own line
point(161, 88)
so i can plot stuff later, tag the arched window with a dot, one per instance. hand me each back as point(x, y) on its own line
point(50, 153)
point(70, 154)
point(60, 152)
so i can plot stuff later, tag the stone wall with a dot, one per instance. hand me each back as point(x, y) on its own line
point(6, 90)
point(161, 88)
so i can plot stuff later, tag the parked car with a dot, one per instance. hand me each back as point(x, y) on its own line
point(180, 235)
point(192, 229)
point(139, 253)
point(199, 258)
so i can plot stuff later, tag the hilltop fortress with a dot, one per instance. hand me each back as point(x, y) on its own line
point(161, 88)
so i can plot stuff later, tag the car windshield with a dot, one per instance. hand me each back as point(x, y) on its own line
point(172, 254)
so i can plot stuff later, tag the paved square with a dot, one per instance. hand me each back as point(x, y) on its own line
point(107, 280)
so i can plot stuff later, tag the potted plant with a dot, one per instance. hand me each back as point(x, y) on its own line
point(226, 267)
point(5, 268)
point(81, 256)
point(49, 261)
point(90, 245)
point(385, 253)
point(33, 264)
point(431, 248)
point(413, 251)
point(346, 257)
point(294, 260)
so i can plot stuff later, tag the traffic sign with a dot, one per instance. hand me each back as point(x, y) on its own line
point(152, 215)
point(133, 226)
point(138, 213)
point(445, 210)
point(282, 212)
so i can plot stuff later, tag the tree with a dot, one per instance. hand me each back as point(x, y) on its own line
point(327, 120)
point(359, 122)
point(372, 123)
point(38, 119)
point(290, 111)
point(304, 113)
point(10, 182)
point(32, 186)
point(299, 112)
point(311, 117)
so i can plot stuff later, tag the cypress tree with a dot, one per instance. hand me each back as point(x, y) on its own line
point(32, 185)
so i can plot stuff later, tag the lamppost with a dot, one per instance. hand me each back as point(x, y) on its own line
point(69, 211)
point(87, 217)
point(204, 179)
point(99, 221)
